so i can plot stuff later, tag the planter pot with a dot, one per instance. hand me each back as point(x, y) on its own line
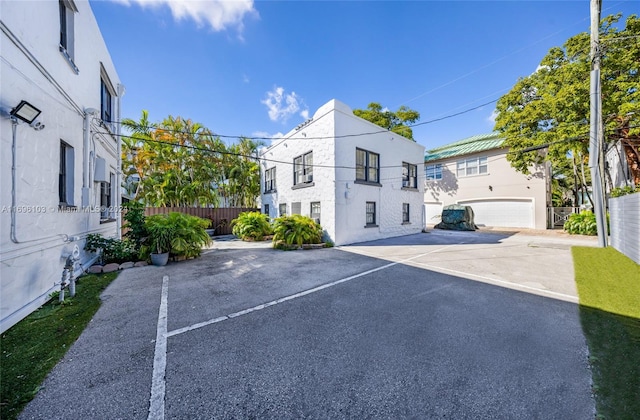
point(160, 259)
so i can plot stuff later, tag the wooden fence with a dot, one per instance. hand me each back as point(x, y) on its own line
point(220, 217)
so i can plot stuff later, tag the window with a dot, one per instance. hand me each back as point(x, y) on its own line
point(315, 211)
point(409, 175)
point(470, 167)
point(371, 213)
point(296, 208)
point(67, 9)
point(266, 209)
point(433, 172)
point(282, 209)
point(105, 198)
point(303, 169)
point(405, 212)
point(270, 180)
point(65, 175)
point(367, 166)
point(106, 102)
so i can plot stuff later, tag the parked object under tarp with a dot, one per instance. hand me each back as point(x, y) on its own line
point(457, 217)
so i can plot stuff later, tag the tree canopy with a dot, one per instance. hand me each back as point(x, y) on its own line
point(395, 121)
point(179, 162)
point(551, 106)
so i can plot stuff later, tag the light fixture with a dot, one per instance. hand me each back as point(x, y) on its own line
point(26, 112)
point(490, 188)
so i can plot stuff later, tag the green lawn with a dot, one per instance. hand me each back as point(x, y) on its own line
point(32, 347)
point(609, 291)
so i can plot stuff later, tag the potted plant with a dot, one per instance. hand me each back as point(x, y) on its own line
point(161, 232)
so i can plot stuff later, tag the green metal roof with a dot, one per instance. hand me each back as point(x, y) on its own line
point(466, 146)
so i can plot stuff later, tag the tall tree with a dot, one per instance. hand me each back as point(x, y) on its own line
point(395, 121)
point(551, 106)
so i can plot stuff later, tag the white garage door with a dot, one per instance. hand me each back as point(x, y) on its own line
point(433, 212)
point(503, 213)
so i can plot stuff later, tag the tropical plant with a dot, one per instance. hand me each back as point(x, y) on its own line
point(190, 234)
point(295, 229)
point(251, 225)
point(583, 223)
point(177, 233)
point(161, 231)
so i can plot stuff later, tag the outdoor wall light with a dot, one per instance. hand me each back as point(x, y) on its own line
point(490, 188)
point(26, 112)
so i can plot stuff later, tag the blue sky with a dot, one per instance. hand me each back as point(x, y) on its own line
point(259, 68)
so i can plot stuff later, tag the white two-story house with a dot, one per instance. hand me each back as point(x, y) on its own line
point(60, 104)
point(358, 180)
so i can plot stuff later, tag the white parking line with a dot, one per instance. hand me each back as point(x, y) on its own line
point(156, 402)
point(294, 296)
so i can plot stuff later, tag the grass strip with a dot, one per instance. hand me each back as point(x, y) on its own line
point(32, 347)
point(608, 286)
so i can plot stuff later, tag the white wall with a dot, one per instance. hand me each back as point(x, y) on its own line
point(625, 225)
point(506, 184)
point(343, 201)
point(33, 69)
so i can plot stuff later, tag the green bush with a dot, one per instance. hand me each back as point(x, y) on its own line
point(177, 233)
point(134, 223)
point(113, 250)
point(583, 223)
point(620, 191)
point(295, 229)
point(251, 225)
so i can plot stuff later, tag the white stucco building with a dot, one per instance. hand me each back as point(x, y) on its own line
point(60, 174)
point(475, 172)
point(359, 180)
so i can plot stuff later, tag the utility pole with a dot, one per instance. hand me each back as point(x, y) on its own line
point(596, 134)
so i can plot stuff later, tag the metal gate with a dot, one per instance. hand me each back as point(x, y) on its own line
point(556, 216)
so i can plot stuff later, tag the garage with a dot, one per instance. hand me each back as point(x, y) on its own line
point(503, 212)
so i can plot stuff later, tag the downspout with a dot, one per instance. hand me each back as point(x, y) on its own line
point(121, 92)
point(86, 179)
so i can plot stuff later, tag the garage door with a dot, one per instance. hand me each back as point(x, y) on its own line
point(433, 212)
point(503, 213)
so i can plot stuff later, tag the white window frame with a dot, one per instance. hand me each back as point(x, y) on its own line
point(270, 180)
point(66, 43)
point(371, 216)
point(66, 175)
point(315, 214)
point(472, 167)
point(303, 168)
point(369, 170)
point(409, 175)
point(433, 172)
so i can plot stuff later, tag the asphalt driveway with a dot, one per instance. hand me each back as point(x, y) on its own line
point(424, 326)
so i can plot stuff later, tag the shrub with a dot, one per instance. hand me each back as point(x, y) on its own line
point(134, 222)
point(190, 234)
point(583, 223)
point(113, 250)
point(177, 233)
point(620, 191)
point(251, 225)
point(295, 229)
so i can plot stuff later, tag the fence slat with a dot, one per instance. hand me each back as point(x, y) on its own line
point(220, 217)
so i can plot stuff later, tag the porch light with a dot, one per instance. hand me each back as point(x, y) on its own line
point(25, 111)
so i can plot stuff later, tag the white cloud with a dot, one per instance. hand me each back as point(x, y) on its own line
point(217, 14)
point(281, 105)
point(245, 78)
